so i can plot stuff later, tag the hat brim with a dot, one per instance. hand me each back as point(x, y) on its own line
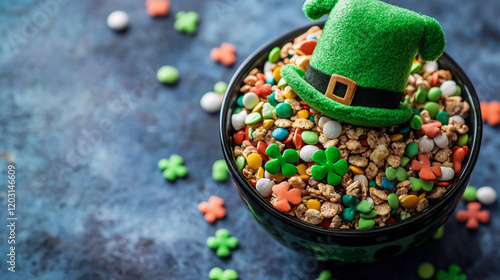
point(357, 115)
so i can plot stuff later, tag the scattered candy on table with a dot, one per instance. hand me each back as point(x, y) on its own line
point(218, 274)
point(473, 215)
point(425, 270)
point(225, 54)
point(211, 102)
point(223, 243)
point(220, 172)
point(173, 167)
point(220, 87)
point(453, 273)
point(167, 74)
point(439, 233)
point(470, 194)
point(186, 22)
point(118, 20)
point(490, 112)
point(157, 8)
point(213, 209)
point(325, 275)
point(486, 195)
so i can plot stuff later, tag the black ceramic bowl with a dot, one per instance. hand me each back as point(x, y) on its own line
point(348, 245)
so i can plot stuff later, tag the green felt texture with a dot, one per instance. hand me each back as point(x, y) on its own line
point(364, 116)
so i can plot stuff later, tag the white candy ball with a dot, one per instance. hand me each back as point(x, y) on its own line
point(362, 179)
point(441, 140)
point(118, 20)
point(448, 88)
point(211, 102)
point(370, 200)
point(427, 143)
point(307, 152)
point(486, 195)
point(250, 100)
point(264, 187)
point(238, 120)
point(458, 119)
point(332, 129)
point(323, 120)
point(431, 66)
point(447, 174)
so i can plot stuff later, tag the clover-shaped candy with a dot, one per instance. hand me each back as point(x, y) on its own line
point(395, 173)
point(218, 274)
point(473, 215)
point(329, 164)
point(352, 206)
point(453, 274)
point(427, 172)
point(173, 167)
point(222, 242)
point(285, 196)
point(281, 162)
point(419, 184)
point(186, 22)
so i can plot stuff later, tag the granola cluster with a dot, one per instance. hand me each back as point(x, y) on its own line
point(390, 173)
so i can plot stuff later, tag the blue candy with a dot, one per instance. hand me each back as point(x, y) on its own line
point(388, 184)
point(312, 36)
point(280, 134)
point(270, 80)
point(404, 130)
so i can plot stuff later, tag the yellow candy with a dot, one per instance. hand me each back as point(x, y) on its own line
point(396, 137)
point(268, 124)
point(356, 169)
point(277, 74)
point(279, 176)
point(301, 169)
point(422, 196)
point(290, 95)
point(304, 177)
point(260, 172)
point(258, 107)
point(410, 201)
point(313, 204)
point(303, 114)
point(254, 161)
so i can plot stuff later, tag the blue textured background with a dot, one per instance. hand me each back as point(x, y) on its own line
point(86, 122)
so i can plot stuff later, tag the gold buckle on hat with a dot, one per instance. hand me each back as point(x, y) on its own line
point(349, 94)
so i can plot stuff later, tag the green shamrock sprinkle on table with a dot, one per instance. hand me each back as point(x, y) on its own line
point(222, 243)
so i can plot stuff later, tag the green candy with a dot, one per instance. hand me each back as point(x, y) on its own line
point(439, 233)
point(311, 118)
point(404, 161)
point(416, 112)
point(425, 270)
point(237, 110)
point(373, 184)
point(220, 171)
point(272, 99)
point(267, 111)
point(253, 118)
point(283, 162)
point(470, 194)
point(459, 91)
point(173, 167)
point(393, 201)
point(419, 184)
point(370, 215)
point(282, 83)
point(434, 94)
point(432, 108)
point(364, 206)
point(241, 162)
point(443, 117)
point(250, 133)
point(416, 67)
point(421, 95)
point(274, 55)
point(222, 242)
point(310, 137)
point(463, 140)
point(392, 173)
point(218, 274)
point(220, 87)
point(186, 22)
point(325, 275)
point(330, 165)
point(366, 223)
point(284, 110)
point(416, 122)
point(239, 101)
point(411, 150)
point(167, 75)
point(349, 211)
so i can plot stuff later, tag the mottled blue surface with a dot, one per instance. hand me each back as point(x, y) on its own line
point(86, 122)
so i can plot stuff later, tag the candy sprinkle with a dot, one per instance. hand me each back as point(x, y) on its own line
point(167, 75)
point(213, 209)
point(222, 242)
point(425, 270)
point(118, 20)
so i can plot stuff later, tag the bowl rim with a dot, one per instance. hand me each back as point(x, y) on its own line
point(467, 167)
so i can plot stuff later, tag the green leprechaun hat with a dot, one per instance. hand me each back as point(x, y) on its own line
point(360, 67)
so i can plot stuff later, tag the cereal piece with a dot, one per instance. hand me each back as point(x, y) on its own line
point(296, 182)
point(211, 102)
point(455, 106)
point(313, 216)
point(213, 209)
point(394, 161)
point(473, 215)
point(486, 195)
point(168, 75)
point(300, 211)
point(422, 204)
point(371, 171)
point(303, 124)
point(358, 161)
point(284, 123)
point(329, 192)
point(173, 167)
point(118, 20)
point(443, 155)
point(186, 22)
point(436, 192)
point(220, 172)
point(222, 242)
point(379, 154)
point(327, 143)
point(330, 209)
point(398, 148)
point(157, 8)
point(217, 273)
point(353, 145)
point(383, 209)
point(336, 222)
point(285, 196)
point(378, 196)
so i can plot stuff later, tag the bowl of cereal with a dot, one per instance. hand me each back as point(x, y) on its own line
point(342, 192)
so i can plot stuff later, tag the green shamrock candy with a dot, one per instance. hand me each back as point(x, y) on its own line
point(419, 184)
point(330, 164)
point(350, 211)
point(220, 171)
point(173, 167)
point(392, 173)
point(370, 215)
point(281, 162)
point(453, 274)
point(186, 22)
point(218, 274)
point(222, 242)
point(325, 275)
point(366, 223)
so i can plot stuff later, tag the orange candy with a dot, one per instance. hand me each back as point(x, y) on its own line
point(285, 196)
point(473, 215)
point(213, 209)
point(156, 8)
point(427, 172)
point(458, 156)
point(431, 129)
point(239, 137)
point(226, 54)
point(297, 139)
point(491, 112)
point(308, 46)
point(435, 79)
